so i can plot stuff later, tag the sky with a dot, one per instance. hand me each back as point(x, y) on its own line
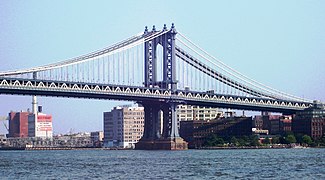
point(278, 43)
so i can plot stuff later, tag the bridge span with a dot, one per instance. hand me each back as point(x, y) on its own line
point(158, 70)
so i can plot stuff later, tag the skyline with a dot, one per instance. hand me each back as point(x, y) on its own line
point(278, 44)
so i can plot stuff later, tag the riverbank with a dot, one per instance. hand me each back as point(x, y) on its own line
point(201, 148)
point(284, 146)
point(59, 148)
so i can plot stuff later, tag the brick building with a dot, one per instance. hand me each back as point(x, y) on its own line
point(196, 132)
point(310, 121)
point(18, 124)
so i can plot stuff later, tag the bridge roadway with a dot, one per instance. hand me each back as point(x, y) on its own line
point(17, 86)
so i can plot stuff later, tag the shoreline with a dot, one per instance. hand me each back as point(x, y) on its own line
point(101, 148)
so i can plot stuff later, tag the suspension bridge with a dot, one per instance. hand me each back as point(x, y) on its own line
point(159, 69)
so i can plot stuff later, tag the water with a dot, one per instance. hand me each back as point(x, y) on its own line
point(191, 164)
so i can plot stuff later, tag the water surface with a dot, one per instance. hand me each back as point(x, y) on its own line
point(190, 164)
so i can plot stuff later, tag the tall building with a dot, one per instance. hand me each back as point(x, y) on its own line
point(311, 121)
point(39, 124)
point(18, 124)
point(123, 126)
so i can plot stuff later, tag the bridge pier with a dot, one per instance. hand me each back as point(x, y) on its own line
point(153, 138)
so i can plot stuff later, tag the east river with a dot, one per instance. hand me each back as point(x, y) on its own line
point(191, 164)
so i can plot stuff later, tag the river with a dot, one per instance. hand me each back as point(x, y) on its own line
point(191, 164)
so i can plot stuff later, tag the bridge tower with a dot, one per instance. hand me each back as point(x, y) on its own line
point(153, 138)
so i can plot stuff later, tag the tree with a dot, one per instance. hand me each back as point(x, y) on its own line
point(266, 140)
point(241, 142)
point(234, 141)
point(254, 141)
point(275, 140)
point(299, 137)
point(291, 139)
point(219, 142)
point(307, 139)
point(214, 140)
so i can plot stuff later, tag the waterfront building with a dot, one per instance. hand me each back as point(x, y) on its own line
point(123, 126)
point(285, 124)
point(197, 132)
point(30, 124)
point(97, 138)
point(275, 124)
point(40, 125)
point(258, 122)
point(189, 113)
point(311, 121)
point(18, 124)
point(3, 140)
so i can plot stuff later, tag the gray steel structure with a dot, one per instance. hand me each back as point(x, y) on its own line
point(154, 95)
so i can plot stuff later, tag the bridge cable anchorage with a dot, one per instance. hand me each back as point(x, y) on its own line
point(239, 75)
point(123, 45)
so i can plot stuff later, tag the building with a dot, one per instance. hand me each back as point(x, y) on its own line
point(40, 125)
point(269, 122)
point(30, 124)
point(258, 122)
point(311, 121)
point(285, 124)
point(97, 138)
point(123, 126)
point(3, 140)
point(18, 124)
point(196, 132)
point(189, 113)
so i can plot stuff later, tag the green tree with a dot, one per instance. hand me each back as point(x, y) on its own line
point(266, 140)
point(241, 142)
point(275, 140)
point(291, 139)
point(214, 140)
point(220, 141)
point(307, 139)
point(234, 141)
point(254, 141)
point(299, 137)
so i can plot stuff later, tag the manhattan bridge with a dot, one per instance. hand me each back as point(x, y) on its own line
point(158, 69)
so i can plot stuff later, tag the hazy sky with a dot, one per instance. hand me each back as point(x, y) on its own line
point(278, 43)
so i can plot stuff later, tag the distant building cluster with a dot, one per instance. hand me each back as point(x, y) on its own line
point(30, 124)
point(73, 140)
point(310, 121)
point(272, 124)
point(124, 126)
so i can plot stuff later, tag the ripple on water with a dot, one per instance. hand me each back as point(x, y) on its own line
point(191, 164)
